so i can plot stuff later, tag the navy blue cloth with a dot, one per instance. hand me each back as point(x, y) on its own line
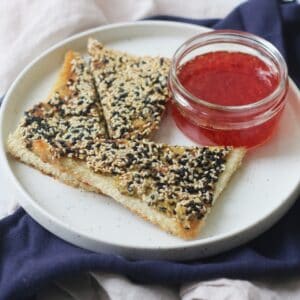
point(30, 256)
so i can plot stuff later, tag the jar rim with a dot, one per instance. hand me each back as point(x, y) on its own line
point(234, 37)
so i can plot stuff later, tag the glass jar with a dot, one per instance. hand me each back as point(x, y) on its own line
point(209, 123)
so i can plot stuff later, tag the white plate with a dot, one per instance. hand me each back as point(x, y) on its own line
point(258, 195)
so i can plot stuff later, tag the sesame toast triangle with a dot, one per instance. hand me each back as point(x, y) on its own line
point(132, 89)
point(71, 117)
point(173, 187)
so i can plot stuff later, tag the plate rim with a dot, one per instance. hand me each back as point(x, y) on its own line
point(26, 199)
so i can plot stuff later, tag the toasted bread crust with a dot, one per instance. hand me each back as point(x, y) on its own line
point(64, 76)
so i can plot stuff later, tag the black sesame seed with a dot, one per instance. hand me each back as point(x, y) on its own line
point(169, 161)
point(123, 95)
point(162, 209)
point(105, 60)
point(130, 158)
point(122, 131)
point(114, 172)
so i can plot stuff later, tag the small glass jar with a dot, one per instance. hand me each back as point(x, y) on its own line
point(208, 123)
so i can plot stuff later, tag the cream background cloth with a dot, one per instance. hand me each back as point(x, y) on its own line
point(27, 27)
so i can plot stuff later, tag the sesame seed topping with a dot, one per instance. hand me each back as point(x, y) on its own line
point(133, 90)
point(178, 181)
point(174, 180)
point(68, 123)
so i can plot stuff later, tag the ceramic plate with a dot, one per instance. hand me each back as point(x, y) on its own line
point(258, 195)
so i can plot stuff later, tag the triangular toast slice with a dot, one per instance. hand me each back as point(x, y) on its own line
point(132, 89)
point(70, 119)
point(173, 187)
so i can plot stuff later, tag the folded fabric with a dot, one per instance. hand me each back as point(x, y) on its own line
point(221, 289)
point(32, 257)
point(105, 286)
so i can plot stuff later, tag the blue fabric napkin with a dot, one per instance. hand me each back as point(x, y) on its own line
point(30, 256)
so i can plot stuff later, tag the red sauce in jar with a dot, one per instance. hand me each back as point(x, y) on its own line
point(227, 79)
